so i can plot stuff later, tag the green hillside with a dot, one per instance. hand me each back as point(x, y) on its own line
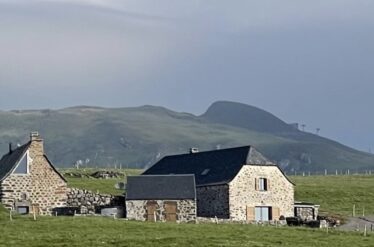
point(138, 137)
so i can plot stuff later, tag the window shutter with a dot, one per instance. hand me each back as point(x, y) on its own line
point(275, 213)
point(250, 213)
point(256, 184)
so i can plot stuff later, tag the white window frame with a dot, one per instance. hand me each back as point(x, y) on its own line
point(262, 184)
point(28, 161)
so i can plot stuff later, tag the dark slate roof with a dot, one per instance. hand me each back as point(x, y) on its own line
point(212, 167)
point(161, 187)
point(10, 160)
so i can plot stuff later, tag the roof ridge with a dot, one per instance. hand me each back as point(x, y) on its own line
point(209, 151)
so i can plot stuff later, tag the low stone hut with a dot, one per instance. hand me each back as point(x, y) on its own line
point(161, 198)
point(306, 211)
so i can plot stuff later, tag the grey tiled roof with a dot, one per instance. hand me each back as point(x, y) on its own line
point(212, 167)
point(10, 160)
point(160, 187)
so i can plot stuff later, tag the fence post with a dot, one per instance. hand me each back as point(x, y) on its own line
point(354, 210)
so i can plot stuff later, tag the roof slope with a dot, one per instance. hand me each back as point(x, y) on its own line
point(10, 160)
point(161, 187)
point(212, 167)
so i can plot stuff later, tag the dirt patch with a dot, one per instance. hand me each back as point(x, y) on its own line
point(358, 224)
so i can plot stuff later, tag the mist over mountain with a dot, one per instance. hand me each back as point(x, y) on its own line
point(139, 136)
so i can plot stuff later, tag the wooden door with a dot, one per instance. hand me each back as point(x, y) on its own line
point(170, 211)
point(275, 213)
point(151, 211)
point(250, 213)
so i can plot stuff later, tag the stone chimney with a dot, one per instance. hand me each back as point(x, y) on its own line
point(10, 148)
point(37, 143)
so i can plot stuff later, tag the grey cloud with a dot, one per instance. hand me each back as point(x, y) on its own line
point(306, 61)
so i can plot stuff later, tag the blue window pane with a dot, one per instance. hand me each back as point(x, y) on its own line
point(22, 166)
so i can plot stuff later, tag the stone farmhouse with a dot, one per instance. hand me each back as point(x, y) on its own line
point(161, 198)
point(239, 184)
point(28, 180)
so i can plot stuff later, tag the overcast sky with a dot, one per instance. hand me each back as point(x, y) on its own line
point(310, 62)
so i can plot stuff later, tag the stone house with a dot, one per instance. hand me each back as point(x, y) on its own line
point(161, 198)
point(28, 180)
point(238, 184)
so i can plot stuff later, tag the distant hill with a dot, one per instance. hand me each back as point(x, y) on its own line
point(139, 136)
point(245, 116)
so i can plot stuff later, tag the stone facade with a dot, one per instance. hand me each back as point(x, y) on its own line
point(137, 210)
point(41, 188)
point(233, 200)
point(244, 195)
point(213, 201)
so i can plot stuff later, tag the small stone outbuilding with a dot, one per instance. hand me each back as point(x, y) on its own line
point(28, 180)
point(238, 184)
point(306, 211)
point(161, 198)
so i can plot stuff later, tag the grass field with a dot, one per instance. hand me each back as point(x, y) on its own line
point(335, 194)
point(98, 231)
point(104, 186)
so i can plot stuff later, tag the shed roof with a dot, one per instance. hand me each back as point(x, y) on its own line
point(160, 187)
point(211, 167)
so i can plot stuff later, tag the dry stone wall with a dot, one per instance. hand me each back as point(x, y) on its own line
point(137, 210)
point(88, 202)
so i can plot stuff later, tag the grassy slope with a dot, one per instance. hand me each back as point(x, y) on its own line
point(103, 186)
point(131, 136)
point(87, 231)
point(136, 137)
point(337, 194)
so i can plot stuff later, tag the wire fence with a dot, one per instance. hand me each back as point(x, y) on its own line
point(326, 172)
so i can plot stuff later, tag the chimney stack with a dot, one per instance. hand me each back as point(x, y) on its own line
point(36, 142)
point(10, 148)
point(194, 150)
point(34, 135)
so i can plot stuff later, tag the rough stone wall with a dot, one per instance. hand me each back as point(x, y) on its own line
point(89, 202)
point(243, 193)
point(307, 213)
point(43, 187)
point(137, 210)
point(213, 201)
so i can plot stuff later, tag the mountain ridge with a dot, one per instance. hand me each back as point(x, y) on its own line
point(139, 136)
